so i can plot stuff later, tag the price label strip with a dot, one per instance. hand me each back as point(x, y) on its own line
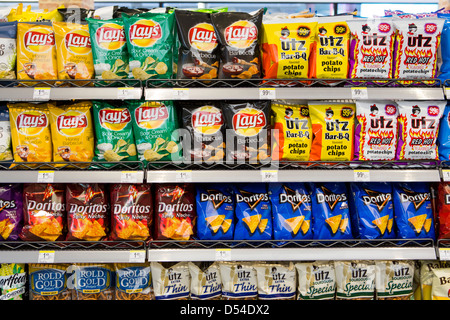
point(180, 93)
point(137, 256)
point(444, 253)
point(124, 93)
point(128, 177)
point(46, 177)
point(183, 176)
point(223, 255)
point(46, 256)
point(269, 175)
point(361, 175)
point(446, 175)
point(41, 94)
point(359, 93)
point(267, 93)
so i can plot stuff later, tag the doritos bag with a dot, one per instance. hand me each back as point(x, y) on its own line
point(376, 130)
point(215, 212)
point(48, 282)
point(253, 212)
point(87, 212)
point(373, 212)
point(444, 68)
point(5, 135)
point(131, 211)
point(292, 133)
point(333, 129)
point(331, 218)
point(291, 211)
point(412, 210)
point(11, 212)
point(44, 212)
point(8, 52)
point(443, 140)
point(419, 129)
point(443, 210)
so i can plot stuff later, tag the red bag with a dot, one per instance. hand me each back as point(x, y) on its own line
point(444, 210)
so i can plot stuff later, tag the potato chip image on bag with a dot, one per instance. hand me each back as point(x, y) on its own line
point(11, 212)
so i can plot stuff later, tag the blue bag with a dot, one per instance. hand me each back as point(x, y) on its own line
point(443, 140)
point(445, 47)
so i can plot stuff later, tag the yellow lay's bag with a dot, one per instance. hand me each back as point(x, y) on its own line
point(30, 132)
point(72, 132)
point(333, 129)
point(73, 51)
point(18, 14)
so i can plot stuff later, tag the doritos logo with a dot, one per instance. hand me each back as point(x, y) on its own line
point(216, 197)
point(417, 199)
point(330, 198)
point(294, 198)
point(250, 198)
point(379, 199)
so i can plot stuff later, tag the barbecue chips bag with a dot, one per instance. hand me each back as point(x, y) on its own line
point(171, 281)
point(355, 280)
point(316, 280)
point(394, 280)
point(11, 212)
point(8, 52)
point(48, 282)
point(5, 135)
point(206, 282)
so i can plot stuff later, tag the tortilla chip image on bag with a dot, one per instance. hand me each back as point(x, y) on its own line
point(11, 212)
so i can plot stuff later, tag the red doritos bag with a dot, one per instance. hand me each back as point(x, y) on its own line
point(444, 210)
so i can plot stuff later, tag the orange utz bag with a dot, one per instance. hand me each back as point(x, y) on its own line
point(36, 51)
point(73, 51)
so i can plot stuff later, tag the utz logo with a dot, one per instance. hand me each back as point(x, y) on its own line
point(114, 119)
point(249, 122)
point(71, 123)
point(384, 27)
point(151, 117)
point(433, 111)
point(110, 36)
point(241, 34)
point(78, 42)
point(390, 109)
point(203, 37)
point(39, 40)
point(207, 120)
point(430, 28)
point(31, 123)
point(145, 33)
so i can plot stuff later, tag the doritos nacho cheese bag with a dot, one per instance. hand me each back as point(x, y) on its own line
point(291, 211)
point(36, 51)
point(239, 36)
point(171, 281)
point(8, 52)
point(30, 131)
point(316, 280)
point(331, 213)
point(413, 213)
point(11, 211)
point(371, 48)
point(376, 130)
point(286, 48)
point(444, 210)
point(333, 129)
point(418, 129)
point(373, 211)
point(292, 131)
point(253, 212)
point(48, 282)
point(73, 51)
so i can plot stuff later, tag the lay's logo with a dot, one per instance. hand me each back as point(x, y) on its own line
point(203, 37)
point(151, 117)
point(78, 42)
point(207, 120)
point(110, 36)
point(31, 123)
point(39, 40)
point(114, 119)
point(71, 123)
point(241, 34)
point(145, 33)
point(249, 122)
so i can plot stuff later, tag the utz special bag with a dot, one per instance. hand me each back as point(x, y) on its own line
point(394, 280)
point(355, 280)
point(316, 280)
point(11, 212)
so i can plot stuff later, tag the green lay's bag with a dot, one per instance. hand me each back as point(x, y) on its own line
point(150, 42)
point(114, 133)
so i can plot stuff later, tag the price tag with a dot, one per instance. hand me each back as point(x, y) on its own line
point(223, 254)
point(361, 175)
point(129, 177)
point(46, 176)
point(180, 93)
point(444, 253)
point(267, 93)
point(183, 176)
point(447, 92)
point(137, 256)
point(124, 93)
point(46, 257)
point(446, 175)
point(42, 94)
point(359, 93)
point(269, 175)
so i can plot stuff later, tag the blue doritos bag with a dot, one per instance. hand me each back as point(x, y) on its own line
point(443, 140)
point(372, 210)
point(253, 212)
point(291, 211)
point(215, 212)
point(331, 213)
point(413, 212)
point(445, 47)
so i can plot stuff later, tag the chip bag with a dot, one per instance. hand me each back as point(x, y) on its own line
point(215, 212)
point(291, 210)
point(11, 212)
point(36, 51)
point(171, 281)
point(316, 280)
point(426, 276)
point(333, 129)
point(5, 135)
point(72, 132)
point(48, 282)
point(276, 281)
point(292, 133)
point(92, 281)
point(331, 218)
point(419, 129)
point(355, 280)
point(253, 212)
point(131, 211)
point(133, 281)
point(87, 212)
point(394, 280)
point(206, 282)
point(376, 130)
point(239, 281)
point(440, 286)
point(444, 68)
point(30, 131)
point(13, 281)
point(443, 210)
point(443, 140)
point(73, 51)
point(8, 52)
point(113, 132)
point(412, 210)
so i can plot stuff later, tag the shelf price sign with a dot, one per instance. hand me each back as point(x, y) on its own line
point(183, 176)
point(267, 93)
point(41, 94)
point(46, 176)
point(128, 177)
point(180, 93)
point(446, 175)
point(361, 175)
point(46, 256)
point(137, 256)
point(269, 175)
point(359, 93)
point(444, 253)
point(223, 255)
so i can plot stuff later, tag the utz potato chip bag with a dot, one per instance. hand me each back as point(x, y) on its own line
point(215, 212)
point(8, 50)
point(73, 51)
point(292, 131)
point(276, 281)
point(92, 281)
point(413, 213)
point(5, 135)
point(133, 281)
point(36, 51)
point(286, 48)
point(330, 205)
point(154, 126)
point(30, 131)
point(443, 210)
point(373, 212)
point(333, 129)
point(316, 280)
point(239, 281)
point(87, 212)
point(44, 212)
point(355, 280)
point(419, 129)
point(376, 130)
point(150, 42)
point(131, 211)
point(440, 286)
point(371, 48)
point(11, 212)
point(291, 211)
point(113, 132)
point(394, 280)
point(443, 140)
point(171, 281)
point(426, 276)
point(48, 282)
point(13, 280)
point(253, 212)
point(206, 282)
point(72, 132)
point(109, 48)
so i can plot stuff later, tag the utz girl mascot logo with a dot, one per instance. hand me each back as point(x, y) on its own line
point(31, 123)
point(207, 120)
point(114, 119)
point(249, 122)
point(110, 36)
point(39, 39)
point(71, 123)
point(78, 42)
point(145, 33)
point(203, 37)
point(241, 34)
point(151, 117)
